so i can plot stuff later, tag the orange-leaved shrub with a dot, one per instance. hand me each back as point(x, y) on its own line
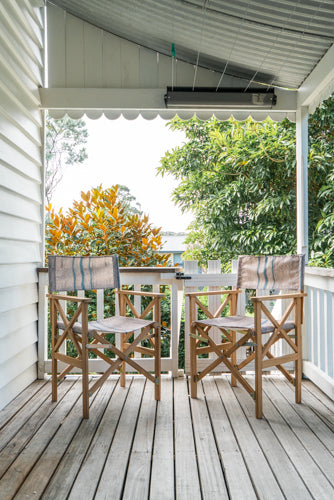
point(101, 223)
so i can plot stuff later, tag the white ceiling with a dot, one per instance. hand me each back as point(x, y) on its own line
point(276, 42)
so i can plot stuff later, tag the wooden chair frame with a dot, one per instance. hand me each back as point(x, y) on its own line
point(226, 351)
point(96, 342)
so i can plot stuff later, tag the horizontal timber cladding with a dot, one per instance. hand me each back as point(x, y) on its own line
point(21, 193)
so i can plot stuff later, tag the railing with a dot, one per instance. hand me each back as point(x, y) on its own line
point(318, 344)
point(129, 276)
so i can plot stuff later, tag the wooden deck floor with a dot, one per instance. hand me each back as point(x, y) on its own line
point(132, 448)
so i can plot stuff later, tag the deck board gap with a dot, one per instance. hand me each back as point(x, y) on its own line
point(308, 416)
point(24, 435)
point(60, 483)
point(216, 443)
point(119, 453)
point(259, 489)
point(174, 432)
point(114, 432)
point(309, 463)
point(153, 447)
point(133, 439)
point(95, 433)
point(26, 460)
point(281, 464)
point(211, 447)
point(194, 439)
point(22, 399)
point(236, 438)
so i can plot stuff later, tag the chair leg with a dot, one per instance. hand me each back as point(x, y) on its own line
point(123, 364)
point(85, 387)
point(157, 364)
point(54, 379)
point(258, 382)
point(298, 365)
point(258, 361)
point(233, 360)
point(54, 371)
point(193, 368)
point(84, 360)
point(233, 307)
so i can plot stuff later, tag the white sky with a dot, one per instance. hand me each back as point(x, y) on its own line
point(128, 152)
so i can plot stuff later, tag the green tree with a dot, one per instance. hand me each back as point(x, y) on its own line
point(65, 140)
point(231, 178)
point(125, 196)
point(321, 143)
point(239, 181)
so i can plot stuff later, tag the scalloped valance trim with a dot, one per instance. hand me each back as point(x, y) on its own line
point(132, 114)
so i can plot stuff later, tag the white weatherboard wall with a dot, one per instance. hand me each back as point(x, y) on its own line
point(21, 200)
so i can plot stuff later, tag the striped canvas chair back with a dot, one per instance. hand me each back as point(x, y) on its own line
point(68, 273)
point(271, 272)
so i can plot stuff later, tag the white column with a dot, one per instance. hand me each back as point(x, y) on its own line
point(302, 181)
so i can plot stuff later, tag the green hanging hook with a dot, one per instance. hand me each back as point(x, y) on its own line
point(172, 52)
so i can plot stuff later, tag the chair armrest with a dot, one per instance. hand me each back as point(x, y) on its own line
point(69, 298)
point(213, 292)
point(278, 297)
point(142, 294)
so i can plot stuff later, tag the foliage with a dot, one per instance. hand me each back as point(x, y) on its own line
point(65, 140)
point(102, 224)
point(239, 180)
point(321, 143)
point(231, 178)
point(129, 200)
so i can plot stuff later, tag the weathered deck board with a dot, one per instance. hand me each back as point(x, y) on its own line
point(187, 483)
point(162, 474)
point(115, 469)
point(263, 479)
point(133, 447)
point(210, 470)
point(282, 467)
point(139, 469)
point(236, 473)
point(30, 426)
point(304, 432)
point(87, 479)
point(67, 470)
point(20, 401)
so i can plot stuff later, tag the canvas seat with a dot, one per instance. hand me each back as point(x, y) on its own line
point(272, 273)
point(73, 273)
point(244, 322)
